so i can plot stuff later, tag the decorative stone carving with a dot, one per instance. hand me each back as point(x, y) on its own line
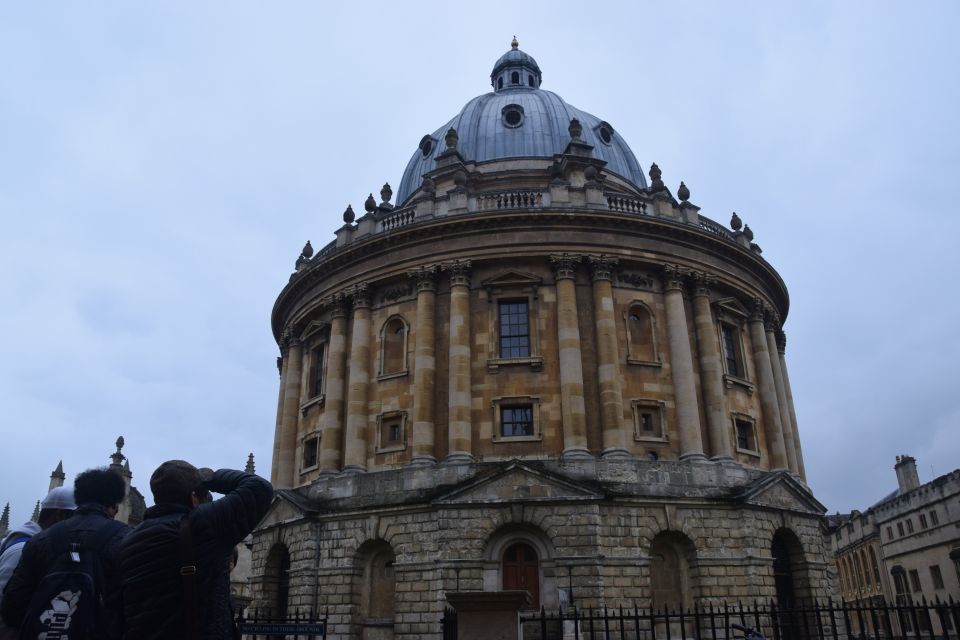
point(602, 267)
point(370, 204)
point(425, 278)
point(386, 193)
point(307, 250)
point(575, 129)
point(459, 271)
point(460, 178)
point(759, 310)
point(781, 341)
point(360, 294)
point(348, 215)
point(702, 282)
point(735, 222)
point(683, 192)
point(639, 280)
point(279, 365)
point(452, 138)
point(748, 232)
point(428, 185)
point(393, 294)
point(656, 183)
point(673, 277)
point(565, 265)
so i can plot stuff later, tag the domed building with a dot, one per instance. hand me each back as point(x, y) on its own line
point(537, 370)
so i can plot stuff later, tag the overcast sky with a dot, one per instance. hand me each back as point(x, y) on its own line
point(162, 164)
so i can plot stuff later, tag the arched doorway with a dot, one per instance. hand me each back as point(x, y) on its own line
point(790, 581)
point(377, 590)
point(672, 571)
point(521, 570)
point(277, 580)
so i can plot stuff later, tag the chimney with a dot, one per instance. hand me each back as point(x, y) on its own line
point(907, 477)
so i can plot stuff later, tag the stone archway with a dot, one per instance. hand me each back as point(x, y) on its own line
point(673, 571)
point(276, 580)
point(375, 589)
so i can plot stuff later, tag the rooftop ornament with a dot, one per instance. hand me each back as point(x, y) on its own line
point(307, 250)
point(683, 192)
point(575, 129)
point(370, 204)
point(748, 232)
point(514, 44)
point(451, 138)
point(348, 215)
point(735, 222)
point(656, 183)
point(386, 193)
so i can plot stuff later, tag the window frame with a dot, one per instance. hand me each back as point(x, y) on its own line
point(750, 422)
point(659, 407)
point(313, 436)
point(728, 313)
point(505, 402)
point(934, 518)
point(316, 337)
point(632, 350)
point(405, 367)
point(506, 287)
point(386, 420)
point(936, 577)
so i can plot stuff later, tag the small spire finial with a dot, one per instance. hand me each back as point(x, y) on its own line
point(5, 520)
point(514, 44)
point(118, 457)
point(250, 468)
point(36, 512)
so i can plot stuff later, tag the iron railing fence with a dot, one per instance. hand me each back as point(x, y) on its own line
point(257, 624)
point(804, 621)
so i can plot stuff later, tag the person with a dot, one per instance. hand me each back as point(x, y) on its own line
point(57, 506)
point(176, 582)
point(98, 494)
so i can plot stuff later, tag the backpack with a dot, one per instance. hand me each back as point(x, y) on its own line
point(67, 601)
point(19, 538)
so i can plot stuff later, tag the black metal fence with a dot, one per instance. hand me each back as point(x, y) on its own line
point(255, 624)
point(811, 621)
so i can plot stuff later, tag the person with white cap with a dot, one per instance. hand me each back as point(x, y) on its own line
point(57, 506)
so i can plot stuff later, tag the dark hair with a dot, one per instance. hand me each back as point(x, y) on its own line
point(50, 517)
point(174, 481)
point(102, 486)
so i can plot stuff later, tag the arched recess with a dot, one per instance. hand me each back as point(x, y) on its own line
point(875, 568)
point(375, 589)
point(393, 346)
point(674, 572)
point(641, 330)
point(522, 557)
point(790, 572)
point(276, 580)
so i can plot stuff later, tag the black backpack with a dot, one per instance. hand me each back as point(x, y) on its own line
point(67, 602)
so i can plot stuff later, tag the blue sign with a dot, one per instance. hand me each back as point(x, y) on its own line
point(282, 628)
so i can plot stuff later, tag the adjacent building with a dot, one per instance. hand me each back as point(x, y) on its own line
point(540, 369)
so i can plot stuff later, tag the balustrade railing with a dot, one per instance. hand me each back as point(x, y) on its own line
point(509, 200)
point(625, 204)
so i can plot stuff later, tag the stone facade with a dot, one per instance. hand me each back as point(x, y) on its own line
point(537, 373)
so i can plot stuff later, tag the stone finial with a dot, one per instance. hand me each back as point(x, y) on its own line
point(514, 44)
point(575, 129)
point(370, 204)
point(250, 468)
point(36, 512)
point(118, 456)
point(460, 178)
point(348, 215)
point(5, 520)
point(735, 222)
point(683, 192)
point(656, 182)
point(386, 193)
point(126, 468)
point(748, 232)
point(451, 138)
point(307, 250)
point(429, 186)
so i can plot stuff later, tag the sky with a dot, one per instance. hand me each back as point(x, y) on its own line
point(162, 165)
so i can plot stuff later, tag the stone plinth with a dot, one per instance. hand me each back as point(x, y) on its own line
point(488, 615)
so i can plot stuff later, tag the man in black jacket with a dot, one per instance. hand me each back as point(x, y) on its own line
point(98, 494)
point(176, 575)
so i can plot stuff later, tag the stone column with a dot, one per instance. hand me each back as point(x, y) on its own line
point(767, 389)
point(278, 430)
point(425, 366)
point(331, 421)
point(681, 366)
point(355, 446)
point(789, 444)
point(286, 470)
point(572, 406)
point(781, 351)
point(460, 424)
point(608, 357)
point(711, 369)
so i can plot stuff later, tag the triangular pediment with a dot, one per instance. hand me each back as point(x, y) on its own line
point(732, 307)
point(517, 482)
point(286, 507)
point(781, 491)
point(312, 329)
point(512, 279)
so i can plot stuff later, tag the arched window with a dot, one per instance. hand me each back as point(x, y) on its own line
point(875, 567)
point(377, 586)
point(521, 570)
point(393, 347)
point(276, 580)
point(500, 83)
point(859, 564)
point(515, 78)
point(641, 335)
point(790, 574)
point(530, 81)
point(672, 559)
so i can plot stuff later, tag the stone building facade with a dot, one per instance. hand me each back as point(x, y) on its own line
point(904, 549)
point(537, 371)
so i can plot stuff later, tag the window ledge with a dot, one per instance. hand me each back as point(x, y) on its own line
point(312, 467)
point(316, 400)
point(644, 363)
point(500, 439)
point(394, 374)
point(392, 448)
point(730, 381)
point(653, 439)
point(749, 452)
point(494, 364)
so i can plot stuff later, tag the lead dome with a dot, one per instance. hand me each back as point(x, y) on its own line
point(518, 119)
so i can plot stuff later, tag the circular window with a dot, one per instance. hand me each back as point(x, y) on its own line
point(512, 115)
point(426, 145)
point(606, 132)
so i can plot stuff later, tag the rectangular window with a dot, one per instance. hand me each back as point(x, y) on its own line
point(909, 525)
point(936, 576)
point(746, 439)
point(914, 580)
point(516, 421)
point(391, 435)
point(317, 357)
point(310, 446)
point(900, 529)
point(730, 335)
point(514, 329)
point(934, 518)
point(923, 521)
point(889, 533)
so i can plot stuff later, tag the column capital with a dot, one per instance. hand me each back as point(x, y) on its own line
point(673, 276)
point(781, 338)
point(702, 282)
point(758, 310)
point(771, 320)
point(337, 304)
point(459, 271)
point(602, 266)
point(425, 278)
point(360, 295)
point(287, 340)
point(565, 265)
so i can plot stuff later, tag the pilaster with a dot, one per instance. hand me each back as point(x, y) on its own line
point(572, 405)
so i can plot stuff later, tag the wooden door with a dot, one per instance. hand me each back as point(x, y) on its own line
point(521, 570)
